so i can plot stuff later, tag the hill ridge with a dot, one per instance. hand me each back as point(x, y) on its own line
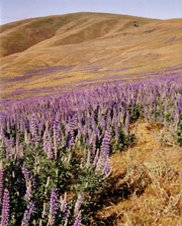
point(42, 28)
point(86, 49)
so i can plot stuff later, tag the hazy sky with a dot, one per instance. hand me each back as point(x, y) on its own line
point(12, 10)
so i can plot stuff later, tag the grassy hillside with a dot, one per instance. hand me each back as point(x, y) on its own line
point(105, 149)
point(49, 54)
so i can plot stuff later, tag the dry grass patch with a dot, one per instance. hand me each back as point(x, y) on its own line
point(148, 179)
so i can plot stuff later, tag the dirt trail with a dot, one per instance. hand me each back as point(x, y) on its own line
point(144, 180)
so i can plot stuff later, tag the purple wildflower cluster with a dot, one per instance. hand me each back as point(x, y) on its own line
point(47, 142)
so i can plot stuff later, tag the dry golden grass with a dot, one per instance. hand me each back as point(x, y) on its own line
point(96, 45)
point(147, 184)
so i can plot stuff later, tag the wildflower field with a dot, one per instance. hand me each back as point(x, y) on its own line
point(56, 150)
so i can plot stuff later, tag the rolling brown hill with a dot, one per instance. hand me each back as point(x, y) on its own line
point(49, 54)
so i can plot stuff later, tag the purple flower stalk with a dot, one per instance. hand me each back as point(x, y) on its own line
point(104, 154)
point(116, 130)
point(27, 214)
point(78, 220)
point(1, 182)
point(88, 159)
point(127, 123)
point(53, 206)
point(5, 209)
point(34, 129)
point(28, 194)
point(179, 104)
point(64, 208)
point(47, 144)
point(27, 176)
point(94, 144)
point(106, 168)
point(96, 157)
point(78, 204)
point(105, 144)
point(25, 172)
point(64, 203)
point(20, 151)
point(72, 126)
point(56, 135)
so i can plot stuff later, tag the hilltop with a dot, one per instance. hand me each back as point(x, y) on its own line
point(49, 54)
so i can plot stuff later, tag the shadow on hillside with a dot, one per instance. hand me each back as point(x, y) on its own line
point(118, 189)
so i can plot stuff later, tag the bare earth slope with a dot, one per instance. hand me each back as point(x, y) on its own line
point(49, 54)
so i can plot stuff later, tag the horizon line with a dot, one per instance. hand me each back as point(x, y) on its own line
point(35, 17)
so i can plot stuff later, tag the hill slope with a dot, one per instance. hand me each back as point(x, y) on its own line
point(49, 54)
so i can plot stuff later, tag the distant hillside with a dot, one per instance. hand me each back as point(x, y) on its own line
point(69, 29)
point(85, 47)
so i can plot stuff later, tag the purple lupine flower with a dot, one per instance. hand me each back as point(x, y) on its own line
point(25, 172)
point(64, 208)
point(70, 135)
point(27, 214)
point(114, 115)
point(104, 154)
point(99, 163)
point(8, 126)
point(96, 157)
point(87, 143)
point(93, 144)
point(64, 203)
point(103, 123)
point(47, 144)
point(56, 134)
point(166, 107)
point(108, 119)
point(116, 130)
point(2, 136)
point(1, 182)
point(5, 209)
point(34, 129)
point(152, 100)
point(78, 204)
point(44, 210)
point(105, 147)
point(28, 194)
point(93, 148)
point(8, 147)
point(93, 121)
point(27, 137)
point(53, 206)
point(85, 130)
point(78, 220)
point(27, 176)
point(88, 159)
point(106, 168)
point(22, 124)
point(127, 123)
point(17, 139)
point(179, 104)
